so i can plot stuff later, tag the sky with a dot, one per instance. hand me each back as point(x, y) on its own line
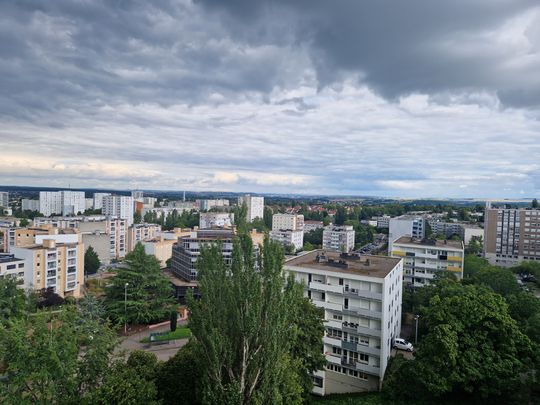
point(420, 98)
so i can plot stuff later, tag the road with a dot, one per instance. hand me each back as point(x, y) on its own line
point(162, 351)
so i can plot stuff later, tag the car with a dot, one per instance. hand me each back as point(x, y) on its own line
point(402, 344)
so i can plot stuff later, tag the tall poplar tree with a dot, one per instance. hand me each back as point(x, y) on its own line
point(245, 326)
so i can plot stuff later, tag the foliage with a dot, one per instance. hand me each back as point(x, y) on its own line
point(179, 333)
point(363, 234)
point(341, 216)
point(534, 203)
point(12, 300)
point(144, 363)
point(91, 261)
point(91, 308)
point(137, 218)
point(149, 293)
point(24, 222)
point(308, 247)
point(314, 237)
point(471, 347)
point(474, 246)
point(241, 217)
point(243, 325)
point(173, 317)
point(53, 358)
point(500, 280)
point(472, 265)
point(48, 298)
point(267, 217)
point(187, 219)
point(178, 379)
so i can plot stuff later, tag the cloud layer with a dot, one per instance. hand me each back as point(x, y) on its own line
point(420, 99)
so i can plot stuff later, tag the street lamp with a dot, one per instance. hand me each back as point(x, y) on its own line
point(125, 308)
point(416, 318)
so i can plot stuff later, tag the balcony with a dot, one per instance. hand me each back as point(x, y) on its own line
point(331, 323)
point(347, 362)
point(366, 368)
point(355, 293)
point(349, 346)
point(333, 341)
point(361, 330)
point(368, 313)
point(455, 259)
point(398, 253)
point(454, 268)
point(374, 351)
point(330, 358)
point(328, 305)
point(314, 285)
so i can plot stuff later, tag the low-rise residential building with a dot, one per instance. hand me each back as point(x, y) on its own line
point(288, 237)
point(361, 298)
point(293, 222)
point(55, 261)
point(312, 225)
point(186, 252)
point(423, 259)
point(406, 225)
point(383, 222)
point(339, 238)
point(12, 267)
point(209, 220)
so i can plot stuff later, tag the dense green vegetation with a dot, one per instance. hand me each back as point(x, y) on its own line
point(187, 219)
point(91, 261)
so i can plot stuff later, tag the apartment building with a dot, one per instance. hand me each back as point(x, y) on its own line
point(312, 225)
point(12, 267)
point(29, 205)
point(137, 195)
point(293, 222)
point(16, 236)
point(205, 205)
point(55, 261)
point(423, 259)
point(288, 237)
point(339, 238)
point(511, 235)
point(160, 248)
point(61, 202)
point(186, 252)
point(4, 199)
point(98, 200)
point(406, 225)
point(361, 297)
point(118, 206)
point(255, 206)
point(209, 220)
point(383, 222)
point(141, 232)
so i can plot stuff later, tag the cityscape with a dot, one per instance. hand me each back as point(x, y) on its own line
point(248, 202)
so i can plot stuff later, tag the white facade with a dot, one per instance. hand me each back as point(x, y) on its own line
point(293, 222)
point(312, 225)
point(4, 199)
point(61, 202)
point(361, 297)
point(422, 260)
point(205, 205)
point(470, 232)
point(288, 237)
point(383, 221)
point(255, 206)
point(29, 205)
point(137, 195)
point(118, 206)
point(406, 225)
point(339, 238)
point(209, 220)
point(12, 267)
point(98, 200)
point(88, 203)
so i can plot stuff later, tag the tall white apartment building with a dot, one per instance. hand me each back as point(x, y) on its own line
point(339, 238)
point(293, 222)
point(4, 199)
point(61, 202)
point(361, 298)
point(98, 200)
point(422, 259)
point(406, 225)
point(29, 205)
point(117, 228)
point(118, 206)
point(288, 237)
point(255, 206)
point(208, 220)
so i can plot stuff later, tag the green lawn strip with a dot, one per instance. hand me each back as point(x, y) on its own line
point(179, 333)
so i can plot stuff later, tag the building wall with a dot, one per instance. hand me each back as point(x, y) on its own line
point(255, 206)
point(4, 199)
point(98, 200)
point(288, 237)
point(29, 205)
point(215, 219)
point(100, 242)
point(294, 222)
point(405, 226)
point(118, 207)
point(339, 238)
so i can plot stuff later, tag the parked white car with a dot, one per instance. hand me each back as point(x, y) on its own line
point(402, 344)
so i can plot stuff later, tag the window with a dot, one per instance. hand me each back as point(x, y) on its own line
point(364, 358)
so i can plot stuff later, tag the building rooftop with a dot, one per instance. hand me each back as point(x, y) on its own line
point(454, 244)
point(178, 282)
point(8, 258)
point(363, 265)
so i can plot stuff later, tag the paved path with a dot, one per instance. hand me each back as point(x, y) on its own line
point(163, 351)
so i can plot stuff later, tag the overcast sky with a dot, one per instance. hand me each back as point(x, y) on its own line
point(416, 98)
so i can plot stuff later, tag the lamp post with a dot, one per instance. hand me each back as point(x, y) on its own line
point(416, 318)
point(125, 308)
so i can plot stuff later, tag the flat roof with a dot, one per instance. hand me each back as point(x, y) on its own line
point(362, 265)
point(178, 282)
point(8, 258)
point(454, 244)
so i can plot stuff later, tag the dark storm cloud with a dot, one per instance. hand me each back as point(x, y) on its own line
point(401, 47)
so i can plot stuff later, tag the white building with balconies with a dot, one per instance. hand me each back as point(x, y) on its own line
point(361, 297)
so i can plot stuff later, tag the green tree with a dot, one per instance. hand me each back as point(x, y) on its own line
point(267, 216)
point(471, 348)
point(91, 261)
point(314, 237)
point(149, 293)
point(179, 378)
point(474, 246)
point(534, 203)
point(243, 324)
point(500, 280)
point(53, 358)
point(12, 301)
point(24, 222)
point(341, 216)
point(473, 264)
point(137, 218)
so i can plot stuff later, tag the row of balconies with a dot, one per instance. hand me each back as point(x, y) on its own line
point(342, 361)
point(339, 289)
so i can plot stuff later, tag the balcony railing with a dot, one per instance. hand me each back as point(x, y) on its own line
point(368, 313)
point(366, 368)
point(355, 293)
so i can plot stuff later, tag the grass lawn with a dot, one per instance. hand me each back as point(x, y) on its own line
point(179, 333)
